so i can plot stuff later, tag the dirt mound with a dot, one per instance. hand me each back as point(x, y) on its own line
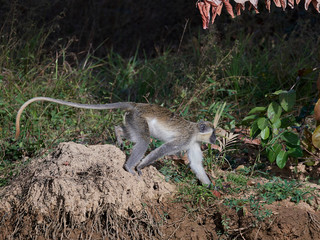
point(82, 192)
point(76, 184)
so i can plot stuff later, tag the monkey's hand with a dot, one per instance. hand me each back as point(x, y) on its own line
point(130, 170)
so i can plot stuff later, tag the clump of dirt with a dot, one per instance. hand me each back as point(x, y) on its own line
point(76, 185)
point(288, 221)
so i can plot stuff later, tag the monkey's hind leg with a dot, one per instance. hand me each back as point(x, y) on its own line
point(137, 154)
point(119, 135)
point(136, 130)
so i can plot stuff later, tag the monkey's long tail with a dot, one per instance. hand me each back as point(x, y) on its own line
point(122, 105)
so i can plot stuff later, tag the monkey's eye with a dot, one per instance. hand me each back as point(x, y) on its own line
point(202, 127)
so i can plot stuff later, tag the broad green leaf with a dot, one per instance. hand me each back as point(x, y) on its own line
point(295, 152)
point(254, 130)
point(257, 110)
point(274, 111)
point(249, 118)
point(287, 100)
point(265, 133)
point(273, 152)
point(316, 137)
point(275, 93)
point(277, 124)
point(282, 159)
point(278, 92)
point(291, 138)
point(262, 123)
point(309, 162)
point(275, 131)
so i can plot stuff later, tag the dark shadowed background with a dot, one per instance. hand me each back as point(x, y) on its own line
point(126, 25)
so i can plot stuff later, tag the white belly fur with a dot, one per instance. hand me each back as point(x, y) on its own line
point(160, 131)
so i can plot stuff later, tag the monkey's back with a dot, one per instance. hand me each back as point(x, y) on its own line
point(164, 124)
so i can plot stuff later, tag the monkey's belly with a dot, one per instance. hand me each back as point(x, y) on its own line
point(160, 131)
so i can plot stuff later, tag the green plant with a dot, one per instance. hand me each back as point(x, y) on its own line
point(196, 194)
point(258, 209)
point(174, 172)
point(278, 189)
point(225, 222)
point(237, 179)
point(251, 204)
point(274, 126)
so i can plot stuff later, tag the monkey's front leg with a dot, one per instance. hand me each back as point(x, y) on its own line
point(165, 149)
point(195, 159)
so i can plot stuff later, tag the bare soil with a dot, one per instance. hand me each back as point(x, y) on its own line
point(82, 192)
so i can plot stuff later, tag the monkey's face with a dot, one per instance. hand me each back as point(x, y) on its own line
point(206, 132)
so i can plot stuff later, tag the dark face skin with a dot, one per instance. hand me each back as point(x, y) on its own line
point(213, 137)
point(203, 127)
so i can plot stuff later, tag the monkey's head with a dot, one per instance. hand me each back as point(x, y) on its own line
point(206, 132)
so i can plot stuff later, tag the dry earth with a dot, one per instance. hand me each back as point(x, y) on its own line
point(82, 192)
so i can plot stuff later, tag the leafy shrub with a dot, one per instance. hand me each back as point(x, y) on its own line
point(274, 126)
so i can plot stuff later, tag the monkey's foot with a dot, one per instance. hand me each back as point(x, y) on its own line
point(139, 171)
point(120, 145)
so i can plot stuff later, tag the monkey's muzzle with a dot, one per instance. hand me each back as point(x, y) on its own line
point(213, 138)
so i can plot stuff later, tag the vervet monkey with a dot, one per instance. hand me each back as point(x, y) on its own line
point(144, 120)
